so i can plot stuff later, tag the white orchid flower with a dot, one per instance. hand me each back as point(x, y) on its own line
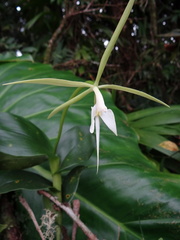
point(99, 110)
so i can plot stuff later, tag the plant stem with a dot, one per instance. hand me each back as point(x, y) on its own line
point(57, 185)
point(63, 119)
point(55, 167)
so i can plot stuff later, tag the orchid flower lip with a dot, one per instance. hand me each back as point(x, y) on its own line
point(100, 110)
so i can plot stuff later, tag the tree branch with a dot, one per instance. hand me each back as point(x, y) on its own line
point(32, 216)
point(52, 41)
point(71, 214)
point(76, 207)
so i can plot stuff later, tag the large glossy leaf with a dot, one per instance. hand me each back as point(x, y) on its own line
point(22, 144)
point(125, 202)
point(129, 198)
point(19, 179)
point(35, 102)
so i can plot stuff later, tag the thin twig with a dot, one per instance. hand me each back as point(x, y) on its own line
point(76, 207)
point(71, 214)
point(32, 216)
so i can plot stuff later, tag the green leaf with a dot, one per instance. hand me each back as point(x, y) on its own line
point(155, 141)
point(154, 125)
point(2, 227)
point(151, 111)
point(34, 20)
point(12, 58)
point(129, 197)
point(81, 145)
point(22, 144)
point(131, 202)
point(15, 180)
point(71, 182)
point(171, 130)
point(161, 118)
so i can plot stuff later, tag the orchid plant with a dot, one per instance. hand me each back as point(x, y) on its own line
point(99, 110)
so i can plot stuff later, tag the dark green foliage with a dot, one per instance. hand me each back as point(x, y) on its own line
point(129, 196)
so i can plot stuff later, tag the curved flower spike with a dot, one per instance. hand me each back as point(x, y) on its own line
point(99, 110)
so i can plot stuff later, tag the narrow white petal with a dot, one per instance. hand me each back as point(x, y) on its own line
point(133, 91)
point(93, 114)
point(109, 119)
point(97, 121)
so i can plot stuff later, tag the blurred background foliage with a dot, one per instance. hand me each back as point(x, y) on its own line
point(73, 35)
